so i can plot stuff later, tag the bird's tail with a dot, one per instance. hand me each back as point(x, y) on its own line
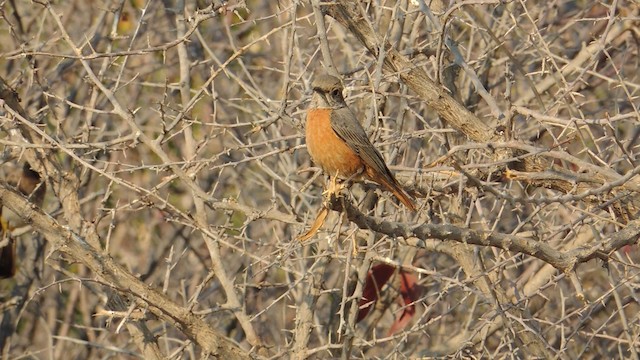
point(403, 197)
point(392, 185)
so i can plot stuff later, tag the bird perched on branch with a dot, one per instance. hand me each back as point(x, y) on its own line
point(28, 182)
point(338, 143)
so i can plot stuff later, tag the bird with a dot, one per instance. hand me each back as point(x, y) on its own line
point(29, 183)
point(338, 143)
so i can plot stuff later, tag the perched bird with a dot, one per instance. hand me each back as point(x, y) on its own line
point(338, 143)
point(28, 182)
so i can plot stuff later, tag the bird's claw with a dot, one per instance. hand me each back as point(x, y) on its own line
point(334, 187)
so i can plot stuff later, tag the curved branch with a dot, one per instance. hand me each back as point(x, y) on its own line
point(416, 235)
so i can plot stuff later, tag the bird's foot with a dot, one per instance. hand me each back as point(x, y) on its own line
point(334, 187)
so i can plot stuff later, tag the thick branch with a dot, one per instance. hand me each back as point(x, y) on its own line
point(346, 13)
point(564, 261)
point(113, 274)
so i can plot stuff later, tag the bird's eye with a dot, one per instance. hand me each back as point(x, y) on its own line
point(335, 93)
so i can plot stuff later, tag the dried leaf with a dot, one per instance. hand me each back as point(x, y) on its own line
point(317, 224)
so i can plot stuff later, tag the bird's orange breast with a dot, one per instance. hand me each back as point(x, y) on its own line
point(327, 150)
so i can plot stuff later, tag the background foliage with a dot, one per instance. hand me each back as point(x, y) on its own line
point(171, 137)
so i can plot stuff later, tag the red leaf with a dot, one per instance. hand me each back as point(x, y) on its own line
point(410, 293)
point(376, 278)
